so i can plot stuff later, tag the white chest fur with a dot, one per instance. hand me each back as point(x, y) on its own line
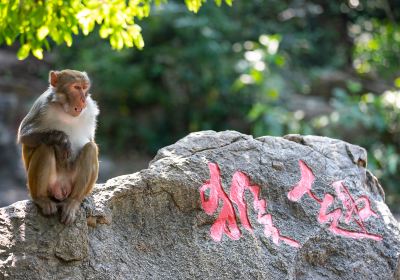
point(80, 130)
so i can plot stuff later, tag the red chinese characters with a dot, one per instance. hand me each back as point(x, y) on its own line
point(226, 220)
point(354, 210)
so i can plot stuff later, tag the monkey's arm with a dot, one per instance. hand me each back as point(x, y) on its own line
point(31, 140)
point(58, 139)
point(51, 137)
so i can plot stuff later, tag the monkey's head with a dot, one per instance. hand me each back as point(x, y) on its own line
point(70, 90)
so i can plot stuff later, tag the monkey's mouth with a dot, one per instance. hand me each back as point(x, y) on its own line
point(75, 112)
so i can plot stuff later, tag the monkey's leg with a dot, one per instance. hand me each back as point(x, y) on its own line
point(41, 169)
point(27, 153)
point(86, 168)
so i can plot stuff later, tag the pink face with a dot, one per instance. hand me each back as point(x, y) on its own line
point(72, 89)
point(77, 94)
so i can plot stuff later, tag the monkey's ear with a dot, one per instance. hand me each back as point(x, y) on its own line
point(53, 77)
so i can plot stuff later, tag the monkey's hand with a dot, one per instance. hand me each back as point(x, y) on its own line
point(60, 141)
point(55, 137)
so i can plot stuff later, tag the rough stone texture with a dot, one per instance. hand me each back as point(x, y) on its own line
point(152, 224)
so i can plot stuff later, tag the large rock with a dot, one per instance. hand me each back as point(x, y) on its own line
point(218, 206)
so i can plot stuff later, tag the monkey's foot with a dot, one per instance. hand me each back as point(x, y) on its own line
point(48, 207)
point(69, 209)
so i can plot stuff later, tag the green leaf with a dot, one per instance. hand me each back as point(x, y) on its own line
point(38, 22)
point(42, 32)
point(127, 39)
point(68, 39)
point(139, 42)
point(23, 52)
point(193, 5)
point(75, 29)
point(9, 40)
point(38, 53)
point(397, 82)
point(105, 31)
point(117, 41)
point(135, 33)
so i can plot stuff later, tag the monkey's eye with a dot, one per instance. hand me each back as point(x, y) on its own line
point(77, 87)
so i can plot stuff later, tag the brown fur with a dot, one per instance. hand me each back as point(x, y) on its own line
point(56, 179)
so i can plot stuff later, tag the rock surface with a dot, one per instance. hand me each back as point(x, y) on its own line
point(218, 206)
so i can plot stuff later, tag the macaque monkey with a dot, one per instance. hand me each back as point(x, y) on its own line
point(58, 148)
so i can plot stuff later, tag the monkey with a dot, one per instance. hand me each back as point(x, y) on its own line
point(59, 153)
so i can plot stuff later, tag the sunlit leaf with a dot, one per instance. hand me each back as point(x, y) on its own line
point(91, 26)
point(128, 41)
point(193, 5)
point(68, 39)
point(56, 36)
point(23, 51)
point(42, 32)
point(105, 31)
point(34, 23)
point(38, 53)
point(139, 42)
point(85, 27)
point(116, 41)
point(9, 40)
point(75, 29)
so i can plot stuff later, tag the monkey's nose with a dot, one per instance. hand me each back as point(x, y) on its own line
point(78, 110)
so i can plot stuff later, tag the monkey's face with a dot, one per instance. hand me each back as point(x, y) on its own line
point(77, 93)
point(71, 90)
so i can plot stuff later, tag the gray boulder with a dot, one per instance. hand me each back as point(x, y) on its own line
point(218, 206)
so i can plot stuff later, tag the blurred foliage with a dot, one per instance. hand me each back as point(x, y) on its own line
point(35, 23)
point(260, 67)
point(377, 47)
point(371, 121)
point(150, 98)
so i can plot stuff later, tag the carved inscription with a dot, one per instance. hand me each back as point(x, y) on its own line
point(353, 211)
point(226, 220)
